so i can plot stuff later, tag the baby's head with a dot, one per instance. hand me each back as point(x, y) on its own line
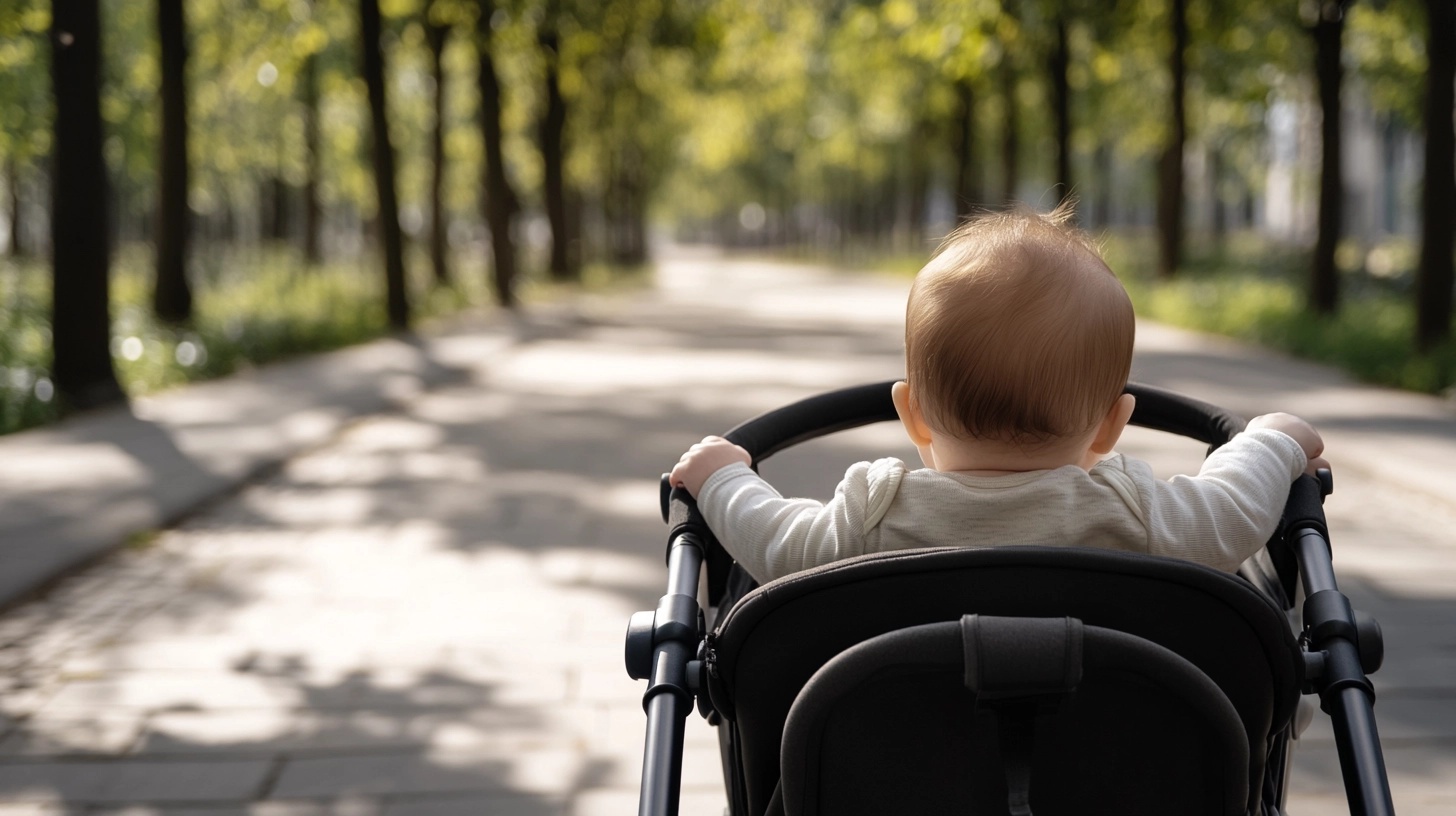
point(1016, 331)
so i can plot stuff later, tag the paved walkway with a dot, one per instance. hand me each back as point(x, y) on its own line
point(416, 605)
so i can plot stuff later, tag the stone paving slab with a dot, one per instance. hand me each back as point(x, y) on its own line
point(88, 782)
point(423, 615)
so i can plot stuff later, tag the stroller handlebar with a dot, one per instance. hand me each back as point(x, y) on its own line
point(847, 408)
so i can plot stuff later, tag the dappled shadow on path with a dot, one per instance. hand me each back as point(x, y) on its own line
point(416, 741)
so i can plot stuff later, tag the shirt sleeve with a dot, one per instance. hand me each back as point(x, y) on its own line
point(1229, 510)
point(771, 536)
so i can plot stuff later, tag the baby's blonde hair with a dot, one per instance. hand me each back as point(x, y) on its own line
point(1017, 331)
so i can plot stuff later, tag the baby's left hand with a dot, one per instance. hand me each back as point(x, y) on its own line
point(1301, 431)
point(703, 460)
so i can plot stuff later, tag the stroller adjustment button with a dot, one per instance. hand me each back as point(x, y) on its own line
point(639, 645)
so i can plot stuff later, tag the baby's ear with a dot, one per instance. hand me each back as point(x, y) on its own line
point(1113, 424)
point(910, 415)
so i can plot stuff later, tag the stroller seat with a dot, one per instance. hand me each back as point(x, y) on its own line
point(1006, 679)
point(931, 681)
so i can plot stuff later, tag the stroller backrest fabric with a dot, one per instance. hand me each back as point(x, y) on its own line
point(774, 639)
point(892, 725)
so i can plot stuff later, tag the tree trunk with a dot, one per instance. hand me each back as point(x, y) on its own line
point(552, 128)
point(500, 200)
point(80, 305)
point(1170, 165)
point(437, 35)
point(1062, 106)
point(1105, 185)
point(274, 206)
point(575, 227)
point(1438, 196)
point(637, 218)
point(312, 146)
point(967, 192)
point(172, 295)
point(1011, 126)
point(18, 249)
point(1215, 197)
point(383, 153)
point(626, 210)
point(917, 189)
point(1324, 284)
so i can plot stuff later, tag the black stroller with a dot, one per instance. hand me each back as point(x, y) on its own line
point(1002, 679)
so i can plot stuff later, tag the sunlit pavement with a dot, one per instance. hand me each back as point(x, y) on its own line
point(422, 611)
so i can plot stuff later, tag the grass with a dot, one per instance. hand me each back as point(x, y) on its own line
point(1253, 291)
point(251, 307)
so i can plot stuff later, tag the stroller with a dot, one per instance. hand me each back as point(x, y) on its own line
point(997, 680)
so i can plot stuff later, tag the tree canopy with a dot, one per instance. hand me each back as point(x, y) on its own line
point(564, 129)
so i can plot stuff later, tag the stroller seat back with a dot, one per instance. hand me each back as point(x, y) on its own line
point(775, 639)
point(929, 719)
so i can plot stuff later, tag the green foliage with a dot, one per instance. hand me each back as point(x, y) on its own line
point(256, 307)
point(25, 345)
point(25, 106)
point(1386, 42)
point(259, 307)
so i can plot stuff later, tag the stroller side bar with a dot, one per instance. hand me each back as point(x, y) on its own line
point(661, 646)
point(1334, 665)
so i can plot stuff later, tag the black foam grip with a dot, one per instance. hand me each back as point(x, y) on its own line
point(828, 413)
point(1305, 509)
point(811, 418)
point(683, 516)
point(1163, 410)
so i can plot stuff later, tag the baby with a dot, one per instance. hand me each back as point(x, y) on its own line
point(1018, 343)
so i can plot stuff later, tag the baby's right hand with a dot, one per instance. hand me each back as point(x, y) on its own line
point(1301, 431)
point(703, 460)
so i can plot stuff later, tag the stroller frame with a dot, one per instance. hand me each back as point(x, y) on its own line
point(669, 647)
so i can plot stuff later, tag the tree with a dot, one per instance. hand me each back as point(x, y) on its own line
point(25, 127)
point(967, 187)
point(16, 206)
point(383, 155)
point(1328, 29)
point(1058, 62)
point(171, 295)
point(552, 132)
point(500, 200)
point(437, 34)
point(80, 308)
point(312, 146)
point(1438, 195)
point(1170, 165)
point(1010, 121)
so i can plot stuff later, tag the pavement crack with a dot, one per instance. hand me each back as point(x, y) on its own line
point(270, 778)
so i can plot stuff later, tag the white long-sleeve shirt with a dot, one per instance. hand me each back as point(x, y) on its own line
point(1219, 518)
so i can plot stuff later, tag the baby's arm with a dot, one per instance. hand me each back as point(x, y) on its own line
point(1229, 510)
point(1300, 431)
point(703, 460)
point(769, 535)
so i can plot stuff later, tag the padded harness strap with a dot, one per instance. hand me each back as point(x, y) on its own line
point(1021, 669)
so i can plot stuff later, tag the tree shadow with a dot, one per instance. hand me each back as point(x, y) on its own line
point(437, 740)
point(216, 434)
point(155, 484)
